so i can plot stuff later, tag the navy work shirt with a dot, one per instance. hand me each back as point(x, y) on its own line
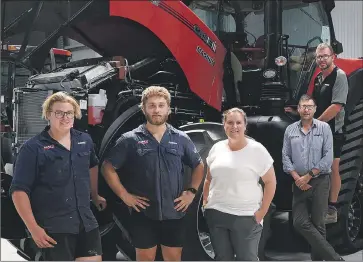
point(57, 181)
point(155, 170)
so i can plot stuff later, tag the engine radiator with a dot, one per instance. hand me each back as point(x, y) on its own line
point(28, 120)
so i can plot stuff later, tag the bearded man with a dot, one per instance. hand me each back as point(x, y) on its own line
point(152, 157)
point(330, 93)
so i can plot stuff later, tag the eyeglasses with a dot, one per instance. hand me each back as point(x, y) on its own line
point(323, 57)
point(308, 107)
point(61, 114)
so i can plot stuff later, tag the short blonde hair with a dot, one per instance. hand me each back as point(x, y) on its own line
point(155, 91)
point(325, 45)
point(63, 98)
point(234, 109)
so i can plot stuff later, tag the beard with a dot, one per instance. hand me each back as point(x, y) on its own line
point(326, 66)
point(156, 120)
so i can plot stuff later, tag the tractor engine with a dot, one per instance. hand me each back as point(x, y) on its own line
point(104, 89)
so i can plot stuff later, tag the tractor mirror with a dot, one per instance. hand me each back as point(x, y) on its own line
point(337, 47)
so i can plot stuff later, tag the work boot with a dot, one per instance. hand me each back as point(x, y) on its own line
point(332, 215)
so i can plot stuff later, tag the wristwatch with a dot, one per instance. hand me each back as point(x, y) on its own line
point(312, 174)
point(193, 190)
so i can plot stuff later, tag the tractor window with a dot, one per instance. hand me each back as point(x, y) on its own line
point(210, 18)
point(254, 28)
point(307, 26)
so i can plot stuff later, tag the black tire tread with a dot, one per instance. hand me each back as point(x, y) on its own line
point(204, 136)
point(350, 166)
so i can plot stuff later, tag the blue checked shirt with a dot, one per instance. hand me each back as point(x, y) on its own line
point(302, 152)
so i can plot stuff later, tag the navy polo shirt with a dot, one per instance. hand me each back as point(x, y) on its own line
point(155, 170)
point(57, 181)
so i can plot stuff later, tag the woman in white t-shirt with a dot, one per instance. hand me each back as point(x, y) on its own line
point(234, 201)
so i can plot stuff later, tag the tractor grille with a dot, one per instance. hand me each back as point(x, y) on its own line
point(28, 114)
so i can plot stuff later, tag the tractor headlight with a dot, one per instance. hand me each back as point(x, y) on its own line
point(269, 73)
point(280, 61)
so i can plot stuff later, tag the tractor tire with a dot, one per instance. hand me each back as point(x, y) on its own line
point(198, 245)
point(117, 239)
point(347, 234)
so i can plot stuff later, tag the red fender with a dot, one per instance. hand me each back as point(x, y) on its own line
point(173, 23)
point(347, 65)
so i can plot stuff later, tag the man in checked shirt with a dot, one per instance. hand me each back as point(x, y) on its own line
point(307, 155)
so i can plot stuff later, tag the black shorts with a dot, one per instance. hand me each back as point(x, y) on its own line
point(147, 233)
point(338, 142)
point(71, 246)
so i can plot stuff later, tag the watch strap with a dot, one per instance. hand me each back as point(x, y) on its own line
point(312, 174)
point(193, 190)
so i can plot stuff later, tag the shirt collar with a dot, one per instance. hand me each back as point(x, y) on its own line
point(320, 75)
point(44, 135)
point(313, 125)
point(142, 129)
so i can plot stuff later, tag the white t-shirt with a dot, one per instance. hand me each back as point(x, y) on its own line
point(235, 187)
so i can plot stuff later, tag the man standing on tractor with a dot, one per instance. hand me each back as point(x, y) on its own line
point(151, 159)
point(307, 155)
point(330, 93)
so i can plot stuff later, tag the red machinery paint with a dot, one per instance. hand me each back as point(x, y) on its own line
point(204, 78)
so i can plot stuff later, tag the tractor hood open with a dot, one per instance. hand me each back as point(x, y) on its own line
point(148, 29)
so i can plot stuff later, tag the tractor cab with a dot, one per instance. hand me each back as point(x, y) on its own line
point(271, 46)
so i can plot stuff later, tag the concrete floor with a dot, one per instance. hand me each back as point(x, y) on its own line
point(8, 253)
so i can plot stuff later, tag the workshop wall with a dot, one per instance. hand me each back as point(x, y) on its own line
point(348, 24)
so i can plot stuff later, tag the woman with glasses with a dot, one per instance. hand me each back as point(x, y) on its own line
point(55, 174)
point(234, 201)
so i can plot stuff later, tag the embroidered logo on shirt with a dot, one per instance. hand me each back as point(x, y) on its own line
point(143, 142)
point(174, 143)
point(82, 143)
point(48, 147)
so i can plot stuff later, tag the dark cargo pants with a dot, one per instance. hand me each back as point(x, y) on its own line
point(314, 203)
point(233, 236)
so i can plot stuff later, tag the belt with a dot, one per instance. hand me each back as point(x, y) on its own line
point(319, 175)
point(322, 175)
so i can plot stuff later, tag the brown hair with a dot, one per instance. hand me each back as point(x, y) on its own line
point(325, 45)
point(234, 109)
point(63, 98)
point(155, 91)
point(306, 98)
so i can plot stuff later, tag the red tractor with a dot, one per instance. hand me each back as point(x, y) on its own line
point(211, 55)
